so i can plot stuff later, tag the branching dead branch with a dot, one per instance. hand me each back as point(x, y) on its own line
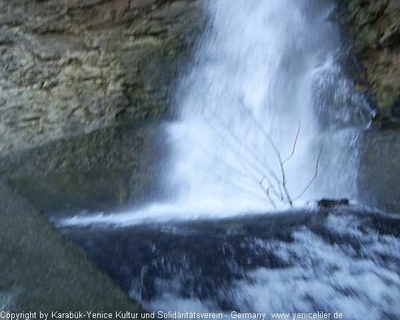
point(254, 167)
point(262, 163)
point(279, 196)
point(255, 163)
point(274, 148)
point(240, 188)
point(238, 171)
point(294, 145)
point(266, 190)
point(313, 178)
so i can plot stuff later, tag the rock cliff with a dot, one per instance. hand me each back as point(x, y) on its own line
point(371, 30)
point(375, 42)
point(68, 67)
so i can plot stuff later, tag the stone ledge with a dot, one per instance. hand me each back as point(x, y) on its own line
point(41, 271)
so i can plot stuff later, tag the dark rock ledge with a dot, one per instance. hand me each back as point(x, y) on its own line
point(39, 269)
point(42, 271)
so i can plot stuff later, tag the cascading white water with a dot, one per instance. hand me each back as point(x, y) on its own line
point(265, 74)
point(267, 116)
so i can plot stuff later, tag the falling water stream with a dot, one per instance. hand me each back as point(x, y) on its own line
point(267, 107)
point(267, 117)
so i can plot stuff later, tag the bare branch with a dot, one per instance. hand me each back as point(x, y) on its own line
point(314, 177)
point(238, 171)
point(274, 147)
point(251, 165)
point(240, 188)
point(275, 192)
point(263, 162)
point(294, 144)
point(254, 165)
point(266, 190)
point(259, 162)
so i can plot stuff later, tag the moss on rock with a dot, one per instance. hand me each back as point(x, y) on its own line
point(375, 27)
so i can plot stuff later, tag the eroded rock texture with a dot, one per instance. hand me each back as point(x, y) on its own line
point(375, 25)
point(68, 67)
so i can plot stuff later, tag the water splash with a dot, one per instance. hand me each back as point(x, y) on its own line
point(265, 73)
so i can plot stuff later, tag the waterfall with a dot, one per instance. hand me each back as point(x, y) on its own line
point(266, 116)
point(266, 112)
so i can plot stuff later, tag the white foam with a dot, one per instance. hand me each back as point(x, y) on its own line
point(158, 213)
point(275, 59)
point(321, 276)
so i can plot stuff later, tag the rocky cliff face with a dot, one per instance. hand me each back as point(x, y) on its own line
point(68, 67)
point(375, 27)
point(371, 31)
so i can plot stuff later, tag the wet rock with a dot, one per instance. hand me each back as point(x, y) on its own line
point(329, 203)
point(379, 179)
point(107, 169)
point(41, 271)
